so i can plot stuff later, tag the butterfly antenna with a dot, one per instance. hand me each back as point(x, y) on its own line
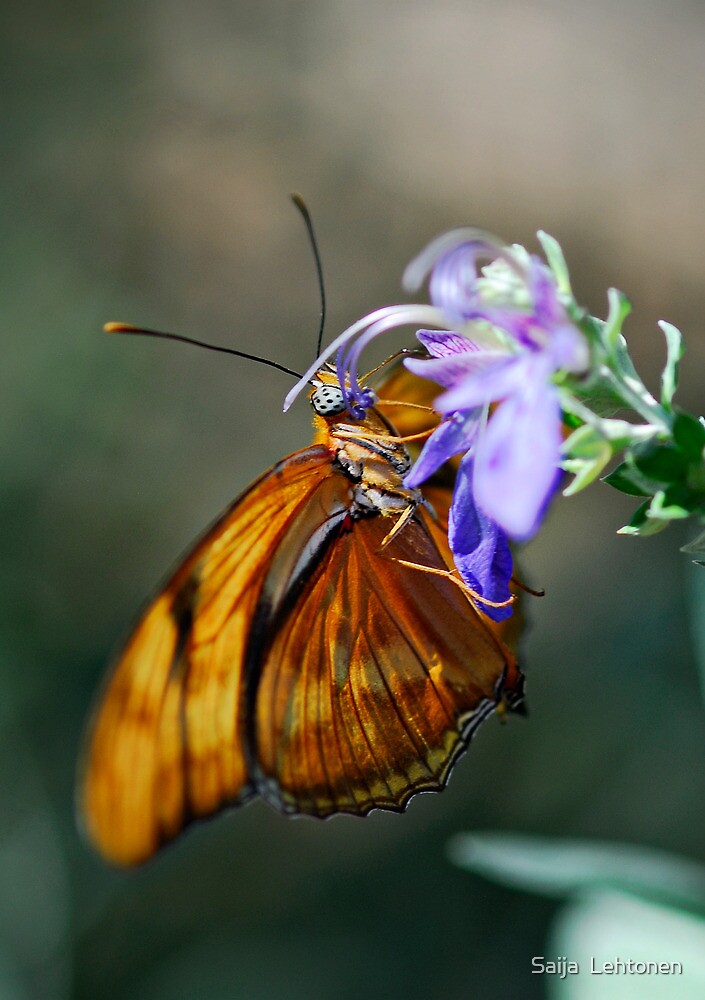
point(141, 331)
point(306, 216)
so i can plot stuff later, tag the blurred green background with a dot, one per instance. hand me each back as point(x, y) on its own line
point(148, 152)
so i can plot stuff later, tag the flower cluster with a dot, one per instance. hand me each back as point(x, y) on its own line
point(530, 382)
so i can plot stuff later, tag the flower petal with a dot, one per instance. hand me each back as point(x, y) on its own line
point(544, 293)
point(480, 548)
point(475, 242)
point(452, 437)
point(441, 343)
point(379, 320)
point(498, 379)
point(516, 460)
point(453, 285)
point(453, 369)
point(568, 349)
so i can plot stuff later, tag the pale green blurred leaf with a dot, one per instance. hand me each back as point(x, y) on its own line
point(662, 510)
point(584, 442)
point(600, 926)
point(556, 261)
point(642, 524)
point(587, 453)
point(619, 309)
point(625, 365)
point(674, 353)
point(585, 472)
point(559, 867)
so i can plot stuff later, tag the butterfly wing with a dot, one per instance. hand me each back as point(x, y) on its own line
point(166, 742)
point(288, 656)
point(368, 693)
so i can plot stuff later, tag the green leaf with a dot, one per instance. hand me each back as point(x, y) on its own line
point(660, 463)
point(637, 522)
point(558, 868)
point(648, 468)
point(623, 364)
point(587, 453)
point(619, 309)
point(643, 525)
point(598, 925)
point(585, 442)
point(673, 504)
point(586, 471)
point(689, 435)
point(572, 421)
point(556, 261)
point(674, 352)
point(590, 326)
point(624, 479)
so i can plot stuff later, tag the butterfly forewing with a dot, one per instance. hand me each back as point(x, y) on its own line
point(166, 743)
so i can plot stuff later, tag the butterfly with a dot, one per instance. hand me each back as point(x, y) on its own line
point(311, 648)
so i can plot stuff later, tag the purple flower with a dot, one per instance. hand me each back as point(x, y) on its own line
point(479, 546)
point(511, 342)
point(456, 434)
point(517, 451)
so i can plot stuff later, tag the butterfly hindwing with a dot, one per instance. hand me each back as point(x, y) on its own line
point(371, 689)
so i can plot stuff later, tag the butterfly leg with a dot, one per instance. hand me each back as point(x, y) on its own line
point(376, 437)
point(473, 595)
point(398, 525)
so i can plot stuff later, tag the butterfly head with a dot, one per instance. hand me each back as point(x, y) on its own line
point(328, 400)
point(331, 397)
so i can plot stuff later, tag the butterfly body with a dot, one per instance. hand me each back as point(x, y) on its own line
point(294, 655)
point(375, 461)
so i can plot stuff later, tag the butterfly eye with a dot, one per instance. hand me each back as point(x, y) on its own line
point(328, 400)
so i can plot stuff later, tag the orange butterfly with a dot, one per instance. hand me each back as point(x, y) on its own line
point(297, 652)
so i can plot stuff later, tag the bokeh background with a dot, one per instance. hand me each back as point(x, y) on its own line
point(148, 151)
